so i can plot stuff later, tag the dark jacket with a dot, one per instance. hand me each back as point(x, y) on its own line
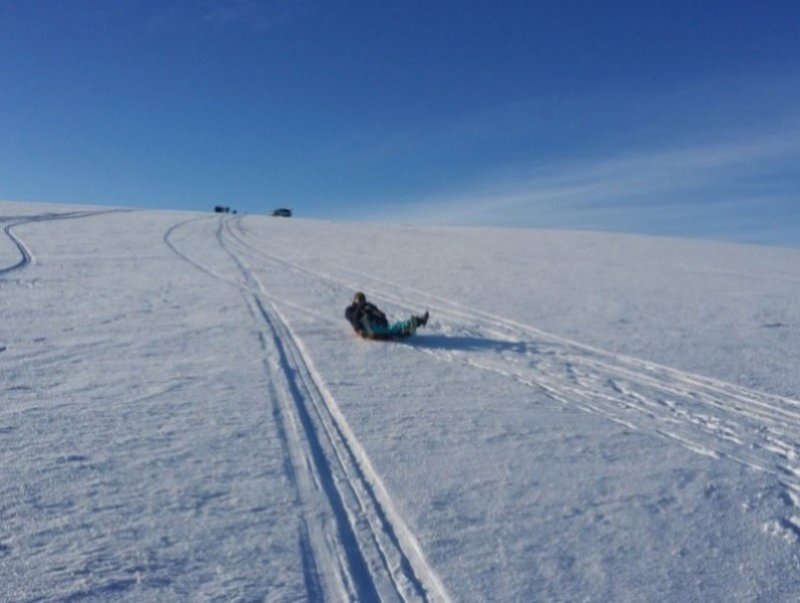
point(365, 317)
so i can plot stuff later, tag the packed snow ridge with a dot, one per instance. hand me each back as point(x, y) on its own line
point(187, 415)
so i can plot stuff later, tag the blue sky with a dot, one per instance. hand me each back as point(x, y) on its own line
point(671, 117)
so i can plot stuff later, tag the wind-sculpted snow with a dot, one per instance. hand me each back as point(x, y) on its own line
point(187, 415)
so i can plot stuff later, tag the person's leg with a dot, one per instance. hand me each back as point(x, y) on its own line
point(404, 328)
point(401, 328)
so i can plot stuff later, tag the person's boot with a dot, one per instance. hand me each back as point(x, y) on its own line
point(423, 320)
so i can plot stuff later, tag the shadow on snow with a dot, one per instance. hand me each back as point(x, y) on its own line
point(463, 343)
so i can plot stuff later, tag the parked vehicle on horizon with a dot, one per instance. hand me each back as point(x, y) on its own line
point(282, 212)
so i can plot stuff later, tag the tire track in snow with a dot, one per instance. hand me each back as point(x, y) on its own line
point(26, 255)
point(168, 240)
point(320, 546)
point(397, 566)
point(350, 523)
point(705, 415)
point(328, 540)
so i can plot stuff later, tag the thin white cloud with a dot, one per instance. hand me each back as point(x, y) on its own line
point(651, 179)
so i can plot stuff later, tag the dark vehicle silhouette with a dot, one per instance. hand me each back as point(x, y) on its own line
point(282, 212)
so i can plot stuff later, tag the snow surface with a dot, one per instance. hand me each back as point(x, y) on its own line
point(186, 414)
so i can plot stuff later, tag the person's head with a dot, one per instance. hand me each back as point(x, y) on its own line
point(359, 298)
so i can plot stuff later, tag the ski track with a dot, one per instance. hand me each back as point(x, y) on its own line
point(349, 523)
point(705, 415)
point(27, 258)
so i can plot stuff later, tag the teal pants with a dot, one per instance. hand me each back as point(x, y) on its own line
point(401, 328)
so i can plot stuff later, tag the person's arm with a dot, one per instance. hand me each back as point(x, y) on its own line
point(353, 316)
point(375, 311)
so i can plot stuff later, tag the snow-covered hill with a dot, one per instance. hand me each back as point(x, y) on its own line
point(185, 414)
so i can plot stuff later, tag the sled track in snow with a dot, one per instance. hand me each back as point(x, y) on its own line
point(349, 523)
point(26, 255)
point(705, 415)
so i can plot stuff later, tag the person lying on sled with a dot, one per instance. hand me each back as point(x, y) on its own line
point(369, 322)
